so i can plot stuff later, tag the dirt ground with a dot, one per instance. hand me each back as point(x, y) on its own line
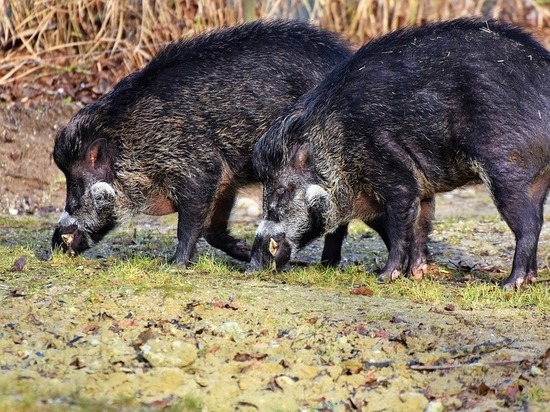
point(29, 180)
point(255, 345)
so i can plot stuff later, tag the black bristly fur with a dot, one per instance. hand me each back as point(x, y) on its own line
point(417, 112)
point(179, 133)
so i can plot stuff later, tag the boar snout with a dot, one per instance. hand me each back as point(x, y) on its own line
point(69, 239)
point(279, 250)
point(269, 251)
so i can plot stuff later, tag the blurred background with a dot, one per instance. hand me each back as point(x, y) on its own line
point(59, 55)
point(76, 50)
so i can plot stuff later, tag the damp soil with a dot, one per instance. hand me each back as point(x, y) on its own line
point(226, 343)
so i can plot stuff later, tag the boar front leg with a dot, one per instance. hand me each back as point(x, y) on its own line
point(400, 218)
point(189, 230)
point(195, 195)
point(332, 250)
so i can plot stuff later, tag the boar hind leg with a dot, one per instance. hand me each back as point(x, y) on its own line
point(217, 233)
point(332, 250)
point(521, 206)
point(418, 259)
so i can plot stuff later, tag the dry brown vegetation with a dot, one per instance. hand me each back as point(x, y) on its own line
point(44, 43)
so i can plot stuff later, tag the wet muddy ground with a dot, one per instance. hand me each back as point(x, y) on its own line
point(253, 345)
point(121, 330)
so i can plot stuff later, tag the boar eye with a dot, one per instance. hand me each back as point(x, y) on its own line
point(76, 187)
point(284, 193)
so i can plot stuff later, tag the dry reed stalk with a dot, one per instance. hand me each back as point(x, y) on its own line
point(57, 34)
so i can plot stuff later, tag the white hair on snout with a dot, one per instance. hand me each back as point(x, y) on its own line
point(102, 191)
point(103, 196)
point(267, 226)
point(314, 193)
point(320, 199)
point(298, 224)
point(98, 198)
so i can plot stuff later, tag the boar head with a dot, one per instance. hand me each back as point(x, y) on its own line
point(295, 210)
point(91, 197)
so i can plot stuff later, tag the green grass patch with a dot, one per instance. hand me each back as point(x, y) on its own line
point(25, 395)
point(137, 267)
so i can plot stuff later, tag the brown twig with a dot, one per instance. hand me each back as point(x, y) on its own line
point(479, 349)
point(463, 365)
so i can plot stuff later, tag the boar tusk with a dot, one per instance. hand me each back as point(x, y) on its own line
point(67, 239)
point(273, 246)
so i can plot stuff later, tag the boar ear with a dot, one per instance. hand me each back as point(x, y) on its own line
point(96, 155)
point(303, 157)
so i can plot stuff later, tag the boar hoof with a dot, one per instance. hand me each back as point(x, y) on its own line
point(418, 272)
point(512, 285)
point(240, 251)
point(531, 278)
point(236, 248)
point(389, 277)
point(179, 261)
point(517, 284)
